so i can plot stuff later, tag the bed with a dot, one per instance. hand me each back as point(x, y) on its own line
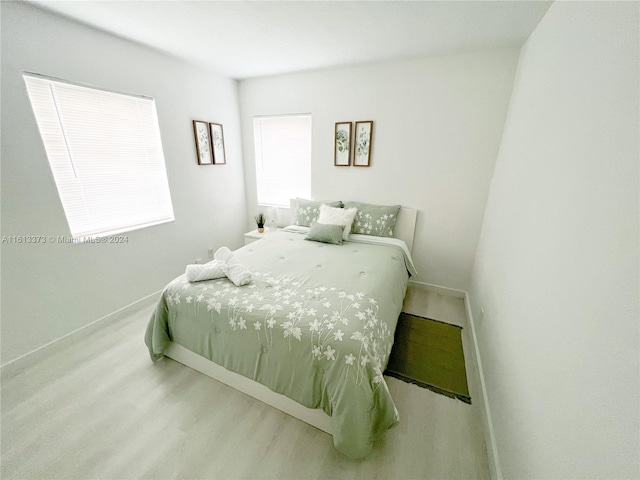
point(310, 335)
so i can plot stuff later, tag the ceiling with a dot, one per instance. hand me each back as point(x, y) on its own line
point(244, 39)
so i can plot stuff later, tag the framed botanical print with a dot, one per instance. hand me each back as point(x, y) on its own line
point(362, 144)
point(203, 142)
point(217, 142)
point(342, 145)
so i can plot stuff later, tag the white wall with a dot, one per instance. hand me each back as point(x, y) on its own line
point(437, 129)
point(50, 290)
point(557, 264)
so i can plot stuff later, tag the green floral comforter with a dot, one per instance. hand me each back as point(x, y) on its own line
point(316, 324)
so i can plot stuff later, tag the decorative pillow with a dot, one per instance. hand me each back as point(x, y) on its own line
point(338, 216)
point(377, 220)
point(306, 212)
point(322, 232)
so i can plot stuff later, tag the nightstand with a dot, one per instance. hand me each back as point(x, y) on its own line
point(254, 235)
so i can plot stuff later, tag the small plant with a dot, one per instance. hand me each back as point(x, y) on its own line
point(261, 219)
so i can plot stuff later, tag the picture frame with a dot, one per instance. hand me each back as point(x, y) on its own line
point(362, 144)
point(217, 143)
point(342, 144)
point(203, 142)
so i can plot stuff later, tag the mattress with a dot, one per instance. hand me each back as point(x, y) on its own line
point(316, 324)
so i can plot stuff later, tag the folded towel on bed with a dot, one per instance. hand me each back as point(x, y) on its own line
point(237, 273)
point(208, 271)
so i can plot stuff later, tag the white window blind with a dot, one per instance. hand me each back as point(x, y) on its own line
point(283, 158)
point(106, 156)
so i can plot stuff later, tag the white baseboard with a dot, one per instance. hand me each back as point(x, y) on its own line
point(489, 434)
point(23, 362)
point(439, 289)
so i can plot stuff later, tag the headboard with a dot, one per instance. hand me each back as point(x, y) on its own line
point(406, 226)
point(404, 230)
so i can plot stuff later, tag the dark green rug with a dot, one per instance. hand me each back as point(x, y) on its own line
point(429, 354)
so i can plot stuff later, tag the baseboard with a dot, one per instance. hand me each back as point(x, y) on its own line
point(490, 438)
point(23, 362)
point(439, 289)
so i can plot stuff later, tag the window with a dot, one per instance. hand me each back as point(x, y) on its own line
point(106, 156)
point(283, 158)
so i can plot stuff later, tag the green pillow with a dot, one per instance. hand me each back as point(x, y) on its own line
point(307, 211)
point(326, 233)
point(377, 220)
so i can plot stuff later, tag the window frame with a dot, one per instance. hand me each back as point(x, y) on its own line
point(88, 212)
point(302, 180)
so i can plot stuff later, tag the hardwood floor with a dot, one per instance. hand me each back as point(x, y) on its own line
point(98, 408)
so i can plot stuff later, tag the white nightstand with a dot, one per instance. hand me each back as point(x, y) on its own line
point(254, 235)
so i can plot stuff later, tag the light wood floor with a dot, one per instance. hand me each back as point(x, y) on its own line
point(99, 408)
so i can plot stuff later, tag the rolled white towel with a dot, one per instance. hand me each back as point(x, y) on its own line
point(208, 271)
point(237, 273)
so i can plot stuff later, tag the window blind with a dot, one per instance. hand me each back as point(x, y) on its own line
point(283, 158)
point(105, 152)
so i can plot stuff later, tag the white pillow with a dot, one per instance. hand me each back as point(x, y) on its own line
point(338, 216)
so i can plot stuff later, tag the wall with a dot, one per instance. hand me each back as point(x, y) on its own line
point(437, 129)
point(557, 265)
point(51, 290)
